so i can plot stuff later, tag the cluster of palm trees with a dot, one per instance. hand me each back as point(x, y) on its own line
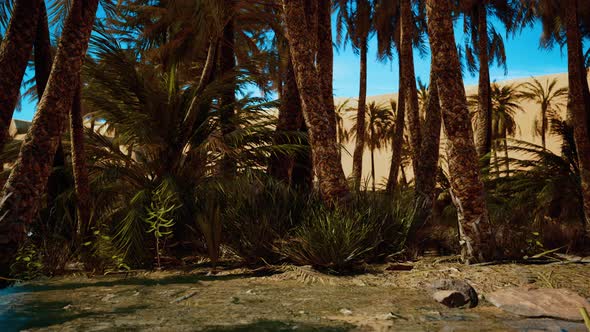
point(166, 80)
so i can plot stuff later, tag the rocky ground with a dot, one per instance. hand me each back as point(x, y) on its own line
point(385, 298)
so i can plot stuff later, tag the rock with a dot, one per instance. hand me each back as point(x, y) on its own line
point(540, 302)
point(345, 311)
point(458, 286)
point(450, 298)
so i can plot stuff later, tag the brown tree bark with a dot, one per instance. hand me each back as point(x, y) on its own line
point(577, 106)
point(398, 135)
point(409, 77)
point(429, 155)
point(300, 22)
point(43, 59)
point(80, 170)
point(14, 54)
point(325, 60)
point(227, 65)
point(359, 148)
point(28, 179)
point(483, 137)
point(290, 120)
point(467, 190)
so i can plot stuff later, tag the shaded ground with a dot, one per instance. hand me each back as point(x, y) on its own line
point(294, 298)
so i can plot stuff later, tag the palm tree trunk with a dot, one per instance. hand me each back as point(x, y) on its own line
point(398, 136)
point(81, 184)
point(578, 109)
point(325, 61)
point(373, 166)
point(357, 159)
point(227, 64)
point(483, 139)
point(43, 59)
point(506, 154)
point(325, 152)
point(28, 179)
point(467, 189)
point(14, 54)
point(429, 155)
point(543, 126)
point(290, 120)
point(411, 93)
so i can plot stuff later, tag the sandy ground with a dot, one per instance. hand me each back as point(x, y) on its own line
point(280, 299)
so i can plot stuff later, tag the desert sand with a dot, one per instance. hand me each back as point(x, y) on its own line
point(525, 131)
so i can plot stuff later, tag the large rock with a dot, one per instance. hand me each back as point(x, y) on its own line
point(450, 291)
point(540, 302)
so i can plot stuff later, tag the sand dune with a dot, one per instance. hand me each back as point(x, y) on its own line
point(525, 121)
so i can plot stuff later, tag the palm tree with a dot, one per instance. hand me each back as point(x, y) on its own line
point(357, 17)
point(505, 104)
point(466, 186)
point(484, 45)
point(28, 178)
point(302, 23)
point(379, 124)
point(408, 33)
point(562, 23)
point(549, 98)
point(342, 134)
point(15, 51)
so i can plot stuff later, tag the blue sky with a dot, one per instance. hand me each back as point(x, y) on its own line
point(524, 59)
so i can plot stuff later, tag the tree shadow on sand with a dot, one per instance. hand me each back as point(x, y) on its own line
point(272, 326)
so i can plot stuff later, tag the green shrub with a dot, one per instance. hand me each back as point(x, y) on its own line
point(338, 240)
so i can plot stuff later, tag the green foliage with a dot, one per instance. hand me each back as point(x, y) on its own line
point(260, 212)
point(160, 215)
point(28, 263)
point(340, 239)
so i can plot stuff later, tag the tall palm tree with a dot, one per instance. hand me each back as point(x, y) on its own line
point(408, 32)
point(379, 124)
point(549, 98)
point(28, 178)
point(483, 46)
point(466, 186)
point(357, 17)
point(563, 23)
point(301, 22)
point(15, 51)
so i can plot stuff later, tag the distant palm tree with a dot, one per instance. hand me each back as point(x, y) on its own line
point(549, 98)
point(342, 135)
point(379, 124)
point(505, 104)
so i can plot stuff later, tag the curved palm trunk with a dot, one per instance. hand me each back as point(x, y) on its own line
point(483, 138)
point(43, 59)
point(357, 158)
point(227, 64)
point(80, 170)
point(14, 55)
point(466, 186)
point(26, 184)
point(411, 93)
point(300, 24)
point(373, 166)
point(398, 136)
point(578, 106)
point(290, 120)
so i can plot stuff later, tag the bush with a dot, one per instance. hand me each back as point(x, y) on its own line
point(338, 240)
point(260, 212)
